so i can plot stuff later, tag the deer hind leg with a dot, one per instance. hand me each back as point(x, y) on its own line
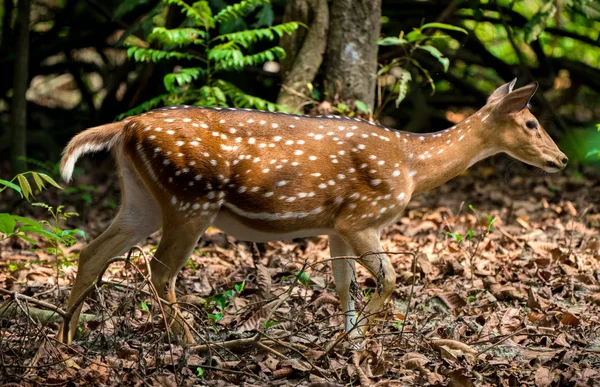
point(180, 236)
point(344, 274)
point(138, 217)
point(379, 266)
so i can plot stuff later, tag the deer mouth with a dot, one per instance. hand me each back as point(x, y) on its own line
point(553, 166)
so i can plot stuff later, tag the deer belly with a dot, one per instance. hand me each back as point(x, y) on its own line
point(247, 230)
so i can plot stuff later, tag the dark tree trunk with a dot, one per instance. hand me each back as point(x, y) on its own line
point(20, 84)
point(352, 50)
point(304, 50)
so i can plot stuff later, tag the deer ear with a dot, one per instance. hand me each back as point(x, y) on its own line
point(502, 91)
point(518, 99)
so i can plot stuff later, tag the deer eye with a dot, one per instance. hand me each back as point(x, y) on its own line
point(531, 124)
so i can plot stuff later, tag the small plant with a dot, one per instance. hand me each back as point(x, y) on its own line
point(471, 236)
point(399, 68)
point(24, 228)
point(222, 300)
point(206, 54)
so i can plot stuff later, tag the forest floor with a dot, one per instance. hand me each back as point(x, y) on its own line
point(517, 306)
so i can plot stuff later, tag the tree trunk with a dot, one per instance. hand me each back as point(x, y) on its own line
point(352, 50)
point(304, 50)
point(20, 83)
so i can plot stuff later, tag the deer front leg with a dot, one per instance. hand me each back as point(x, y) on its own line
point(344, 274)
point(378, 265)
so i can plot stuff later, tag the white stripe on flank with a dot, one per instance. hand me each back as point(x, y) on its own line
point(272, 216)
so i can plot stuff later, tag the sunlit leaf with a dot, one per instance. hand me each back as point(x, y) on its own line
point(7, 223)
point(438, 55)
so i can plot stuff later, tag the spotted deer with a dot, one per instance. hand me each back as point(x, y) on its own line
point(263, 176)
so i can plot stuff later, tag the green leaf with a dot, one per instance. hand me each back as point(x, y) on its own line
point(403, 82)
point(361, 106)
point(303, 277)
point(177, 36)
point(470, 234)
point(7, 223)
point(391, 41)
point(264, 17)
point(200, 372)
point(238, 10)
point(144, 306)
point(26, 238)
point(38, 181)
point(457, 237)
point(50, 180)
point(24, 186)
point(41, 232)
point(11, 185)
point(28, 221)
point(415, 35)
point(438, 55)
point(269, 324)
point(443, 26)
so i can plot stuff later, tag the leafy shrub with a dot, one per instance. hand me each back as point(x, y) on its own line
point(207, 54)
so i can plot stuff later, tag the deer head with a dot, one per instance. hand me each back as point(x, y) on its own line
point(516, 131)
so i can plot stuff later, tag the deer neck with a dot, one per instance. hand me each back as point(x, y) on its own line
point(438, 157)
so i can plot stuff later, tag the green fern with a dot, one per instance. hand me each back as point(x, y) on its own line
point(177, 36)
point(246, 38)
point(206, 54)
point(239, 10)
point(141, 54)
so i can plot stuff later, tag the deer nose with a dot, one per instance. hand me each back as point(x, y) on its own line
point(565, 161)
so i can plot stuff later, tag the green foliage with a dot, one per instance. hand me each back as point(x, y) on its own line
point(400, 68)
point(536, 25)
point(206, 55)
point(23, 228)
point(219, 302)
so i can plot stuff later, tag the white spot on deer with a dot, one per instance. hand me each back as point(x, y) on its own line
point(412, 173)
point(174, 200)
point(266, 170)
point(322, 185)
point(170, 131)
point(341, 177)
point(485, 118)
point(166, 162)
point(268, 194)
point(254, 189)
point(179, 143)
point(277, 138)
point(242, 189)
point(213, 162)
point(194, 143)
point(262, 122)
point(375, 182)
point(274, 125)
point(250, 121)
point(221, 121)
point(461, 137)
point(295, 163)
point(361, 146)
point(313, 158)
point(300, 142)
point(351, 170)
point(256, 160)
point(440, 152)
point(251, 140)
point(396, 173)
point(232, 130)
point(169, 120)
point(152, 137)
point(316, 174)
point(298, 152)
point(318, 137)
point(289, 142)
point(198, 177)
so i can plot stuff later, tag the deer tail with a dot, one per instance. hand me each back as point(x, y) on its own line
point(89, 141)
